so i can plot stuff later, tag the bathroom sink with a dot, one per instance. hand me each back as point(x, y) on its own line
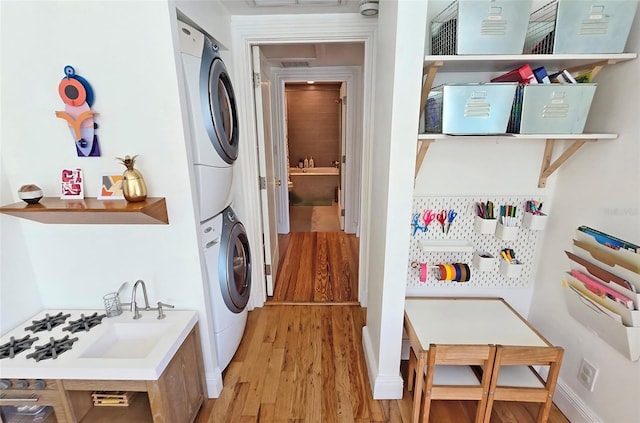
point(126, 340)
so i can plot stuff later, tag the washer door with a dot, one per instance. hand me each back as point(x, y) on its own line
point(218, 104)
point(235, 263)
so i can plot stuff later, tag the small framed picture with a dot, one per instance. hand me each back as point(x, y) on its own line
point(72, 184)
point(111, 188)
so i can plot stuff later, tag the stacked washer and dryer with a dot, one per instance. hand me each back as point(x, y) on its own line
point(215, 137)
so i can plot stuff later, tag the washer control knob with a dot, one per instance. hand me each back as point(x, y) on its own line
point(21, 384)
point(5, 384)
point(39, 384)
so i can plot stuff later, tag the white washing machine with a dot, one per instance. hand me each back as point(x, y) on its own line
point(213, 119)
point(228, 264)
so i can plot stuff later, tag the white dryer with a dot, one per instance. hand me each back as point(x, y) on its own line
point(228, 264)
point(213, 119)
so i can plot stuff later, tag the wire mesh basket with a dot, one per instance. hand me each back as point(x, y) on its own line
point(444, 29)
point(433, 111)
point(569, 26)
point(480, 27)
point(541, 30)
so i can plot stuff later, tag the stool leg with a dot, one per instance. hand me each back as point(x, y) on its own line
point(411, 373)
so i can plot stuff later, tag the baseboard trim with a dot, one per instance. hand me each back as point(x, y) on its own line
point(214, 383)
point(573, 407)
point(383, 387)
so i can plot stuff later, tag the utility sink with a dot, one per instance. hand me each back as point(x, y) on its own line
point(126, 340)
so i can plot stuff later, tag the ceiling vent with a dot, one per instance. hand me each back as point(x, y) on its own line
point(295, 64)
point(267, 3)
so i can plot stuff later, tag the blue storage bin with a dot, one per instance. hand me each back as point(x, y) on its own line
point(580, 26)
point(470, 109)
point(480, 27)
point(555, 108)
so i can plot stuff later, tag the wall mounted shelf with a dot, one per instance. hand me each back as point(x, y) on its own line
point(502, 63)
point(91, 211)
point(446, 245)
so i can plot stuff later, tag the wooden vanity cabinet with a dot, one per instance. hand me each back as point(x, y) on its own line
point(176, 397)
point(180, 392)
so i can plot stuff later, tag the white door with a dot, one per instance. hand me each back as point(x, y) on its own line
point(265, 158)
point(343, 149)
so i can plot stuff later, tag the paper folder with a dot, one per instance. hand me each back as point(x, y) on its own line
point(611, 258)
point(600, 273)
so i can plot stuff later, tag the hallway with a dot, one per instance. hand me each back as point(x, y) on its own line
point(317, 267)
point(314, 218)
point(318, 262)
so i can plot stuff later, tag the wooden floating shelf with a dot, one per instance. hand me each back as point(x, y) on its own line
point(91, 211)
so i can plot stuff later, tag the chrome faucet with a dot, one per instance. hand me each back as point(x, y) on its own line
point(134, 304)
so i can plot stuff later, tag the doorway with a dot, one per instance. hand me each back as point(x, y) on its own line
point(317, 149)
point(314, 147)
point(332, 65)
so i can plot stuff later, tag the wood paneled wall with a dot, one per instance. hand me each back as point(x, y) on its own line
point(313, 122)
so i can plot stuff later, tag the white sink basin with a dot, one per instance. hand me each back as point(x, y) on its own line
point(126, 340)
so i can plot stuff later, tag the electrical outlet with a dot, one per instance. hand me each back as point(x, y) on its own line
point(587, 374)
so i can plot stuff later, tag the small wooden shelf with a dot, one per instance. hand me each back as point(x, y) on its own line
point(91, 211)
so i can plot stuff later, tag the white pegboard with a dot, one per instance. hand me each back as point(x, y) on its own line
point(462, 229)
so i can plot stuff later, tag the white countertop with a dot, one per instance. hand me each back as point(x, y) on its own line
point(147, 346)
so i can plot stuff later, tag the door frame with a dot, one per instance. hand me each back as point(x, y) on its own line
point(352, 76)
point(281, 29)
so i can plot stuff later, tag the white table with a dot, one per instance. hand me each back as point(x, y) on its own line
point(463, 321)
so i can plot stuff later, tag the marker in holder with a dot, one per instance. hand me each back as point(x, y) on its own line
point(510, 266)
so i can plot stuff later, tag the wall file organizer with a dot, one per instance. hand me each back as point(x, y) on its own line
point(462, 244)
point(617, 270)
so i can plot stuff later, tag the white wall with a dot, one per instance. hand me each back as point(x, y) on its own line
point(599, 187)
point(126, 50)
point(397, 99)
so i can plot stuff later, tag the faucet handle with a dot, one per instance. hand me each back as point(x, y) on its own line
point(136, 311)
point(161, 311)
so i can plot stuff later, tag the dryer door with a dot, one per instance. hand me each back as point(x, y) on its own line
point(235, 263)
point(219, 104)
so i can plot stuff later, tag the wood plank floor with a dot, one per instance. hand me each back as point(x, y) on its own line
point(304, 363)
point(314, 218)
point(317, 267)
